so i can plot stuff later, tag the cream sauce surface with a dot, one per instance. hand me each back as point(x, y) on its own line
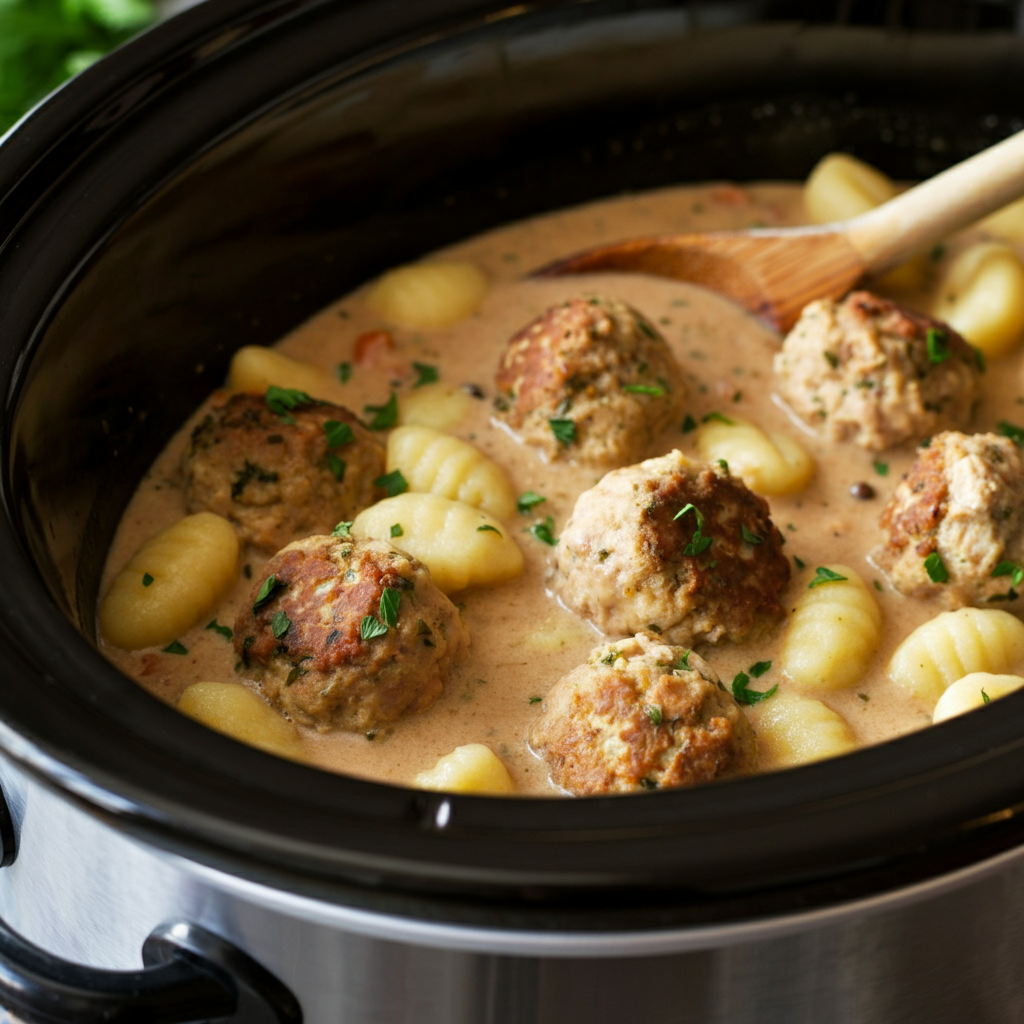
point(523, 641)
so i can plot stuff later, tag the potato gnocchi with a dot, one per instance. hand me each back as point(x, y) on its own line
point(428, 295)
point(254, 368)
point(974, 691)
point(439, 406)
point(796, 730)
point(471, 768)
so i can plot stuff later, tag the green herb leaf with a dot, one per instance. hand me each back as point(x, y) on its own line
point(717, 417)
point(528, 500)
point(799, 562)
point(146, 579)
point(699, 543)
point(393, 483)
point(344, 372)
point(979, 359)
point(390, 599)
point(985, 698)
point(759, 668)
point(823, 575)
point(396, 530)
point(174, 647)
point(1014, 433)
point(750, 538)
point(644, 389)
point(654, 714)
point(938, 345)
point(832, 358)
point(881, 468)
point(343, 529)
point(280, 400)
point(338, 433)
point(936, 569)
point(371, 627)
point(1012, 569)
point(723, 464)
point(646, 328)
point(280, 624)
point(689, 423)
point(543, 531)
point(534, 700)
point(744, 695)
point(425, 374)
point(337, 467)
point(684, 661)
point(384, 416)
point(564, 431)
point(267, 591)
point(224, 631)
point(487, 528)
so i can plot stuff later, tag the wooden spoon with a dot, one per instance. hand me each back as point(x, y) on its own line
point(775, 272)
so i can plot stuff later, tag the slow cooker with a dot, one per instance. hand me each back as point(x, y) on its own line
point(212, 184)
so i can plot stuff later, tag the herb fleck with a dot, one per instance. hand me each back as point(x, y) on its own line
point(881, 468)
point(936, 569)
point(344, 372)
point(146, 579)
point(343, 529)
point(534, 700)
point(799, 562)
point(384, 416)
point(985, 698)
point(487, 528)
point(266, 592)
point(224, 631)
point(759, 668)
point(280, 624)
point(543, 531)
point(833, 359)
point(717, 417)
point(699, 543)
point(564, 431)
point(654, 714)
point(938, 345)
point(396, 530)
point(689, 423)
point(338, 433)
point(393, 483)
point(750, 538)
point(644, 389)
point(744, 695)
point(425, 374)
point(174, 647)
point(527, 501)
point(1014, 433)
point(390, 599)
point(823, 575)
point(371, 627)
point(281, 400)
point(337, 467)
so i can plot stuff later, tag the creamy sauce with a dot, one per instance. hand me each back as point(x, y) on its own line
point(523, 641)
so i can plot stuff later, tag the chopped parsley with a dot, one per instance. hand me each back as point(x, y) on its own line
point(646, 783)
point(689, 423)
point(750, 538)
point(281, 400)
point(396, 530)
point(717, 417)
point(280, 624)
point(938, 345)
point(684, 661)
point(759, 668)
point(979, 359)
point(823, 575)
point(425, 374)
point(743, 693)
point(393, 483)
point(371, 627)
point(487, 528)
point(644, 389)
point(799, 562)
point(654, 714)
point(832, 358)
point(936, 569)
point(390, 599)
point(881, 468)
point(723, 464)
point(224, 631)
point(564, 431)
point(250, 471)
point(343, 529)
point(267, 592)
point(146, 579)
point(174, 647)
point(528, 500)
point(534, 700)
point(985, 698)
point(344, 372)
point(543, 531)
point(384, 416)
point(1011, 569)
point(1013, 432)
point(699, 543)
point(337, 467)
point(338, 433)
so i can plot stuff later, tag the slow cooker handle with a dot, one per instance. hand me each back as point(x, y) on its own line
point(191, 975)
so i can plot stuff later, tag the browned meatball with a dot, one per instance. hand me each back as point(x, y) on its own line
point(871, 371)
point(280, 475)
point(591, 381)
point(958, 513)
point(639, 715)
point(681, 548)
point(348, 634)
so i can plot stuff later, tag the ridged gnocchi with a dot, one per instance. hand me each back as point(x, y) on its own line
point(241, 714)
point(974, 691)
point(833, 631)
point(171, 582)
point(428, 295)
point(440, 406)
point(794, 730)
point(982, 297)
point(767, 463)
point(473, 768)
point(953, 645)
point(438, 463)
point(839, 187)
point(254, 368)
point(460, 545)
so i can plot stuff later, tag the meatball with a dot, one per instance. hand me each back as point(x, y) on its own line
point(281, 473)
point(348, 634)
point(590, 381)
point(870, 371)
point(639, 715)
point(955, 516)
point(680, 548)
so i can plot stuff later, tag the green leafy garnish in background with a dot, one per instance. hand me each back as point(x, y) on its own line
point(43, 42)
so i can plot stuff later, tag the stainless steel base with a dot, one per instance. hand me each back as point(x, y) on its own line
point(950, 951)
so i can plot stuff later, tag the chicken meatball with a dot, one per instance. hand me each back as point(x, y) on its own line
point(641, 715)
point(680, 548)
point(281, 473)
point(955, 519)
point(868, 370)
point(589, 381)
point(348, 634)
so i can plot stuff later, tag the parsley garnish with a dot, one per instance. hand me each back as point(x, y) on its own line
point(543, 531)
point(371, 627)
point(174, 647)
point(384, 416)
point(759, 668)
point(744, 695)
point(684, 661)
point(723, 464)
point(717, 417)
point(881, 468)
point(393, 483)
point(1012, 569)
point(396, 530)
point(337, 467)
point(1014, 433)
point(343, 529)
point(833, 359)
point(823, 575)
point(280, 624)
point(644, 389)
point(647, 328)
point(534, 700)
point(985, 698)
point(799, 562)
point(267, 591)
point(338, 433)
point(564, 431)
point(654, 714)
point(689, 423)
point(281, 400)
point(344, 372)
point(750, 538)
point(699, 543)
point(936, 569)
point(938, 345)
point(146, 579)
point(390, 599)
point(979, 359)
point(224, 631)
point(425, 374)
point(527, 501)
point(487, 528)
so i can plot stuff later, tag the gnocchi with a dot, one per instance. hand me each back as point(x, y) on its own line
point(438, 463)
point(428, 295)
point(254, 368)
point(833, 631)
point(241, 714)
point(439, 406)
point(460, 545)
point(974, 691)
point(953, 645)
point(171, 582)
point(1007, 222)
point(473, 768)
point(982, 297)
point(793, 730)
point(766, 463)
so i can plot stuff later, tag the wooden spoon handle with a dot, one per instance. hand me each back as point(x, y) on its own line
point(925, 214)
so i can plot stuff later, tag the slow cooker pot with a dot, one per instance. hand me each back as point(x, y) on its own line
point(211, 185)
